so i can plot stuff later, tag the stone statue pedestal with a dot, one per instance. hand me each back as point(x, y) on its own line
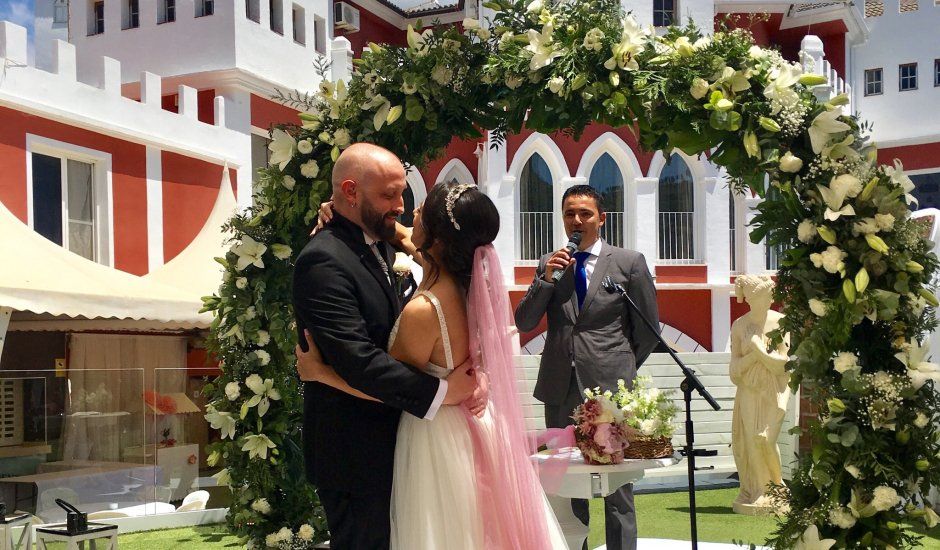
point(752, 509)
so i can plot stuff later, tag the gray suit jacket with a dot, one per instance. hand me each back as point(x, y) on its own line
point(603, 342)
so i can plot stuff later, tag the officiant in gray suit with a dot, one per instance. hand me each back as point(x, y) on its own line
point(593, 337)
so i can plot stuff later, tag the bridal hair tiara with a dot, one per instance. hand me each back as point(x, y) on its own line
point(451, 199)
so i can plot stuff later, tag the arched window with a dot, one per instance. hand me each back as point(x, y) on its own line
point(774, 252)
point(676, 211)
point(608, 180)
point(535, 209)
point(407, 217)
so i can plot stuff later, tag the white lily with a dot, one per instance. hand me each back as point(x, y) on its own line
point(810, 540)
point(632, 42)
point(780, 88)
point(824, 126)
point(265, 392)
point(834, 196)
point(733, 81)
point(222, 478)
point(898, 177)
point(249, 252)
point(282, 148)
point(257, 446)
point(381, 115)
point(281, 251)
point(841, 149)
point(418, 42)
point(222, 421)
point(542, 48)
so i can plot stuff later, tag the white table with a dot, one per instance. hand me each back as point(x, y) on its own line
point(586, 481)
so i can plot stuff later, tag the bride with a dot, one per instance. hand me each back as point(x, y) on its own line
point(457, 473)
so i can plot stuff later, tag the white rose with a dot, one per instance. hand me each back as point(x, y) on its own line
point(341, 138)
point(271, 540)
point(921, 421)
point(841, 518)
point(790, 163)
point(232, 391)
point(847, 185)
point(865, 226)
point(305, 532)
point(806, 231)
point(250, 313)
point(304, 147)
point(818, 307)
point(484, 34)
point(288, 183)
point(261, 506)
point(263, 357)
point(885, 221)
point(309, 169)
point(241, 282)
point(831, 259)
point(263, 338)
point(699, 88)
point(885, 498)
point(702, 43)
point(284, 534)
point(845, 362)
point(534, 7)
point(442, 74)
point(513, 82)
point(556, 84)
point(756, 52)
point(470, 23)
point(593, 38)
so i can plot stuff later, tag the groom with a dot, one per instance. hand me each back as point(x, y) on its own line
point(344, 297)
point(593, 339)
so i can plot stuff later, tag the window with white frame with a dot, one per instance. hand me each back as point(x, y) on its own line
point(676, 212)
point(319, 30)
point(64, 203)
point(535, 209)
point(276, 15)
point(131, 14)
point(300, 31)
point(205, 8)
point(874, 81)
point(166, 11)
point(907, 77)
point(607, 179)
point(253, 10)
point(60, 12)
point(664, 13)
point(773, 252)
point(95, 17)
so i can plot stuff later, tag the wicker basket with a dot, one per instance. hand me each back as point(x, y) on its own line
point(660, 447)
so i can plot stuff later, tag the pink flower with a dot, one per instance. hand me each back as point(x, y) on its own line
point(608, 438)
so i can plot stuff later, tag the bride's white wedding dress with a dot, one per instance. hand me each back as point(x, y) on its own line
point(434, 493)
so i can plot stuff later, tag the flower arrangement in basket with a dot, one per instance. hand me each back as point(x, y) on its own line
point(600, 428)
point(649, 412)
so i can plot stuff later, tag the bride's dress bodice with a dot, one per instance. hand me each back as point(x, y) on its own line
point(430, 368)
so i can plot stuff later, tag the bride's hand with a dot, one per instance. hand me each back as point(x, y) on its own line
point(402, 234)
point(310, 365)
point(324, 216)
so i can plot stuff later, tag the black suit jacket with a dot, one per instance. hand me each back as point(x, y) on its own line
point(342, 296)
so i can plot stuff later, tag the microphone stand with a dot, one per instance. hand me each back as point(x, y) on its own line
point(690, 383)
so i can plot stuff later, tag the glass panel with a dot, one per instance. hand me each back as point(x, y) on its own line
point(82, 239)
point(47, 197)
point(927, 189)
point(535, 209)
point(608, 180)
point(81, 191)
point(676, 211)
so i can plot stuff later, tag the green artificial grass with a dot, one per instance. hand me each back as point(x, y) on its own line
point(666, 516)
point(659, 516)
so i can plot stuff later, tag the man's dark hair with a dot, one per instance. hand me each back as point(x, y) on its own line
point(584, 191)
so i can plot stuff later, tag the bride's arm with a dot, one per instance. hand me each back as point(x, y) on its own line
point(416, 329)
point(311, 368)
point(402, 241)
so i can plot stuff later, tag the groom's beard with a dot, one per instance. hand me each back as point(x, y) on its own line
point(380, 224)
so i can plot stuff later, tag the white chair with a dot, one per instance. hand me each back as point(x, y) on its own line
point(194, 501)
point(47, 498)
point(106, 514)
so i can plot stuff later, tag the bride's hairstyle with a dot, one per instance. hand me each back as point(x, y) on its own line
point(462, 218)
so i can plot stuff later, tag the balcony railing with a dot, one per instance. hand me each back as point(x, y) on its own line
point(677, 238)
point(535, 235)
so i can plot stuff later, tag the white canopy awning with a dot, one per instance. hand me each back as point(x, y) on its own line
point(41, 277)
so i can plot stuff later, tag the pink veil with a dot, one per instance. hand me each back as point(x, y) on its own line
point(511, 498)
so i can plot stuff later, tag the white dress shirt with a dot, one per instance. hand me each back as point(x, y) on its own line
point(591, 261)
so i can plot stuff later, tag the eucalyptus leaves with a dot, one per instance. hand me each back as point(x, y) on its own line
point(855, 280)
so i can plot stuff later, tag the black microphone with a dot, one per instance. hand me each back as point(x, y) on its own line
point(610, 286)
point(574, 241)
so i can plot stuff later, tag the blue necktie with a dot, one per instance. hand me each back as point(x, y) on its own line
point(580, 276)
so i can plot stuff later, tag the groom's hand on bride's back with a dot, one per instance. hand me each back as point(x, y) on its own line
point(461, 384)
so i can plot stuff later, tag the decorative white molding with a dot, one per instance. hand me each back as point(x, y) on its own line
point(154, 208)
point(455, 168)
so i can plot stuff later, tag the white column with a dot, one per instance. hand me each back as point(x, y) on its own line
point(188, 102)
point(238, 117)
point(154, 208)
point(5, 314)
point(501, 189)
point(646, 220)
point(755, 255)
point(716, 236)
point(63, 60)
point(721, 319)
point(151, 89)
point(341, 58)
point(13, 43)
point(814, 61)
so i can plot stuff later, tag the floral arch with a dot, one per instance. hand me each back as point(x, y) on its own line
point(855, 278)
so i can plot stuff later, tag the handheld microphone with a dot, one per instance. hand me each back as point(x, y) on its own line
point(573, 242)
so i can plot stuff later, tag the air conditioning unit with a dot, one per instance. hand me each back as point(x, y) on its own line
point(345, 17)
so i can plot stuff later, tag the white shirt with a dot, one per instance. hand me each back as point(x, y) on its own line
point(591, 261)
point(442, 387)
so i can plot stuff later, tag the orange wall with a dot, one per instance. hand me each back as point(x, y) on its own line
point(914, 157)
point(190, 187)
point(689, 311)
point(129, 179)
point(460, 149)
point(266, 113)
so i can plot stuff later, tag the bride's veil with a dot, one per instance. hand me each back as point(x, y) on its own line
point(511, 498)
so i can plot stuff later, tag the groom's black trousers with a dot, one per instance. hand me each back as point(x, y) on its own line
point(357, 521)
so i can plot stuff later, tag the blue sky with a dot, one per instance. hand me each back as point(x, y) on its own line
point(19, 12)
